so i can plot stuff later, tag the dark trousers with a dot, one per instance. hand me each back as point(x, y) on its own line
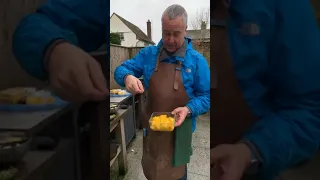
point(185, 174)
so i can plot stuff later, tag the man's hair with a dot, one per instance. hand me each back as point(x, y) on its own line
point(175, 11)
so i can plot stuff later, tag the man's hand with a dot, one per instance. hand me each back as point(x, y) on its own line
point(134, 85)
point(230, 161)
point(75, 75)
point(181, 113)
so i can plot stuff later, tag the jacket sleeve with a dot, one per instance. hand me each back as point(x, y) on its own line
point(201, 102)
point(289, 136)
point(290, 132)
point(80, 22)
point(132, 66)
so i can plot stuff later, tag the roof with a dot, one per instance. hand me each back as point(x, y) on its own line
point(139, 33)
point(198, 34)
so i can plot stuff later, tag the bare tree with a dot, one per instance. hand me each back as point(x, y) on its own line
point(202, 16)
point(201, 34)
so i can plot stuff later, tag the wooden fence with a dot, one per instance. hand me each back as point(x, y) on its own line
point(118, 54)
point(11, 12)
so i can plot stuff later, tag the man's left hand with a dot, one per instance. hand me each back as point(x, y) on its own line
point(229, 161)
point(181, 113)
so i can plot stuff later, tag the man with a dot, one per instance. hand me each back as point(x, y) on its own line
point(274, 47)
point(177, 79)
point(52, 44)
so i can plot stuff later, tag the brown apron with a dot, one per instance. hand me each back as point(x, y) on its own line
point(230, 114)
point(165, 93)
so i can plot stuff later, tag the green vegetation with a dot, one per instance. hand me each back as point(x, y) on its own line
point(115, 38)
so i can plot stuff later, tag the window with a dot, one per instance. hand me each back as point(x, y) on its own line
point(121, 36)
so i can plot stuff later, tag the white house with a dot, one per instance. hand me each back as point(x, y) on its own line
point(130, 34)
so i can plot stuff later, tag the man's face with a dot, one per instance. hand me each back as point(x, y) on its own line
point(173, 32)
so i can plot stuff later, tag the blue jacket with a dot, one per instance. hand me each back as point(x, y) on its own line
point(278, 66)
point(81, 22)
point(196, 81)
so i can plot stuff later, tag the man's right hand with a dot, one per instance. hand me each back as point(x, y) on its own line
point(75, 75)
point(133, 85)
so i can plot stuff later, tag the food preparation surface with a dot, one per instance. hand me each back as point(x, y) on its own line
point(120, 113)
point(28, 121)
point(35, 162)
point(119, 99)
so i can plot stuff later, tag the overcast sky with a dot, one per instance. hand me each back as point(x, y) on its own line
point(139, 11)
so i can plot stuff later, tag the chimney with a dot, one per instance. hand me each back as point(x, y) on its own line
point(203, 25)
point(149, 29)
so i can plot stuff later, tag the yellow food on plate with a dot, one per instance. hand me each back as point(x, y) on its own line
point(115, 91)
point(122, 93)
point(12, 95)
point(118, 92)
point(26, 96)
point(162, 123)
point(39, 100)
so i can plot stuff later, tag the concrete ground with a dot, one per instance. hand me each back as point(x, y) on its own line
point(198, 168)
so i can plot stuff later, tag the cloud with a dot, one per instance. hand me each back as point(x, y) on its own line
point(139, 11)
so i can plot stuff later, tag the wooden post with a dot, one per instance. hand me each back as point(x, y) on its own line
point(99, 121)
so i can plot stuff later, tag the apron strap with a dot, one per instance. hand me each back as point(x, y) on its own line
point(218, 23)
point(158, 60)
point(177, 75)
point(214, 70)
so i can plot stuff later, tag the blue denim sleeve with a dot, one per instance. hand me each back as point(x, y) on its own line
point(132, 66)
point(201, 102)
point(80, 22)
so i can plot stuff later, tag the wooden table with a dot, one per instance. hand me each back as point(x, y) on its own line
point(99, 125)
point(117, 124)
point(99, 139)
point(30, 122)
point(34, 162)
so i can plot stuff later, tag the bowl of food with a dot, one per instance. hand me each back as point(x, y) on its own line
point(113, 108)
point(8, 173)
point(162, 121)
point(13, 146)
